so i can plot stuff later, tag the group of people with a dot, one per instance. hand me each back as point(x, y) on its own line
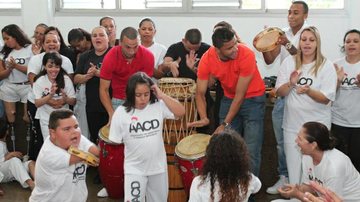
point(115, 85)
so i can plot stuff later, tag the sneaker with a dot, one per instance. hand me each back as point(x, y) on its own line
point(280, 183)
point(102, 193)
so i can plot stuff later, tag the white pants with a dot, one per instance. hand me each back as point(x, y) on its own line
point(80, 110)
point(153, 187)
point(293, 157)
point(15, 169)
point(44, 125)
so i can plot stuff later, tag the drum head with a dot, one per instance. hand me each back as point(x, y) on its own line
point(266, 40)
point(104, 134)
point(192, 147)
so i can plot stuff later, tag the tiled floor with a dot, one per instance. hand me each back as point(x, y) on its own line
point(15, 193)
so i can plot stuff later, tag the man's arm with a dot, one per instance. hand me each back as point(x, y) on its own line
point(201, 87)
point(105, 97)
point(270, 56)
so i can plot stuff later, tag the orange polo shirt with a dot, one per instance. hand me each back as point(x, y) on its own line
point(228, 72)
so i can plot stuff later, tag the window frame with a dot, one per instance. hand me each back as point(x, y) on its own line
point(187, 10)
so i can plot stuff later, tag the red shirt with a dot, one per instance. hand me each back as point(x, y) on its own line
point(228, 72)
point(117, 69)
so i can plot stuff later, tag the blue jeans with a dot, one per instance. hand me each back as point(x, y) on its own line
point(249, 122)
point(116, 102)
point(277, 119)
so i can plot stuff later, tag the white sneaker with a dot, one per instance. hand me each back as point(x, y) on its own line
point(102, 193)
point(280, 183)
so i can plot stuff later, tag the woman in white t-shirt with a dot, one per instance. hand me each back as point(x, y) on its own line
point(226, 172)
point(324, 165)
point(345, 109)
point(138, 123)
point(15, 56)
point(147, 31)
point(308, 82)
point(52, 83)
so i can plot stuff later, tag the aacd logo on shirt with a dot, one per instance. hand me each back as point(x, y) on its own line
point(135, 125)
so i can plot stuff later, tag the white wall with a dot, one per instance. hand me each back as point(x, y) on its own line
point(171, 29)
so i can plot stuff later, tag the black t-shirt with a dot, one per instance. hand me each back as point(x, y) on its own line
point(69, 53)
point(93, 103)
point(178, 50)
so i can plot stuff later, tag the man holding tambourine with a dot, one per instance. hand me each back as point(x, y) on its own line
point(274, 42)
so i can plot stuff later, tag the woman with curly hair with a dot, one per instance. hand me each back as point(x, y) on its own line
point(226, 172)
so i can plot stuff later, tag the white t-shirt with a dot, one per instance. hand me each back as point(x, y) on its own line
point(141, 132)
point(336, 172)
point(159, 51)
point(203, 192)
point(301, 108)
point(35, 66)
point(56, 180)
point(42, 88)
point(345, 109)
point(22, 57)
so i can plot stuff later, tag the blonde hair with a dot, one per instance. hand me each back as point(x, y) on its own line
point(319, 57)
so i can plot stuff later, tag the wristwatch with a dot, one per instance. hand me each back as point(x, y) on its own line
point(288, 45)
point(225, 124)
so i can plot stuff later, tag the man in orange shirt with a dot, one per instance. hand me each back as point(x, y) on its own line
point(243, 105)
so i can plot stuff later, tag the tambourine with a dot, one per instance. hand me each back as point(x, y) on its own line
point(88, 157)
point(266, 40)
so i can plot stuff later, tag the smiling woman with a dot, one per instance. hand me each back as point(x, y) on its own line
point(323, 165)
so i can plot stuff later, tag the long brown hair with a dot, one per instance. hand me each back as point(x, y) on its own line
point(227, 163)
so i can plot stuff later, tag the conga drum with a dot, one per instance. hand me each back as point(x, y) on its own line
point(182, 89)
point(267, 39)
point(190, 152)
point(111, 165)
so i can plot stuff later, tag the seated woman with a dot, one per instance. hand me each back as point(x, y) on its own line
point(226, 172)
point(323, 164)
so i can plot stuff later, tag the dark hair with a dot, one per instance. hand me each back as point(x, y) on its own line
point(193, 36)
point(134, 80)
point(221, 36)
point(305, 6)
point(78, 34)
point(56, 59)
point(147, 20)
point(18, 34)
point(52, 28)
point(129, 32)
point(342, 49)
point(319, 133)
point(106, 17)
point(57, 115)
point(223, 24)
point(227, 162)
point(3, 128)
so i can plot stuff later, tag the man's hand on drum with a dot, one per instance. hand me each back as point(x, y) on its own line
point(174, 67)
point(200, 123)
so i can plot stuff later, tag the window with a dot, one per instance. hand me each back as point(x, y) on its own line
point(10, 4)
point(191, 5)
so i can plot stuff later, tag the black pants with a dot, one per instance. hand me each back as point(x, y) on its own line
point(36, 138)
point(96, 120)
point(348, 141)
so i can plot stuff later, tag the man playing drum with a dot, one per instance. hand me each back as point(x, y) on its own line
point(119, 64)
point(287, 43)
point(243, 104)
